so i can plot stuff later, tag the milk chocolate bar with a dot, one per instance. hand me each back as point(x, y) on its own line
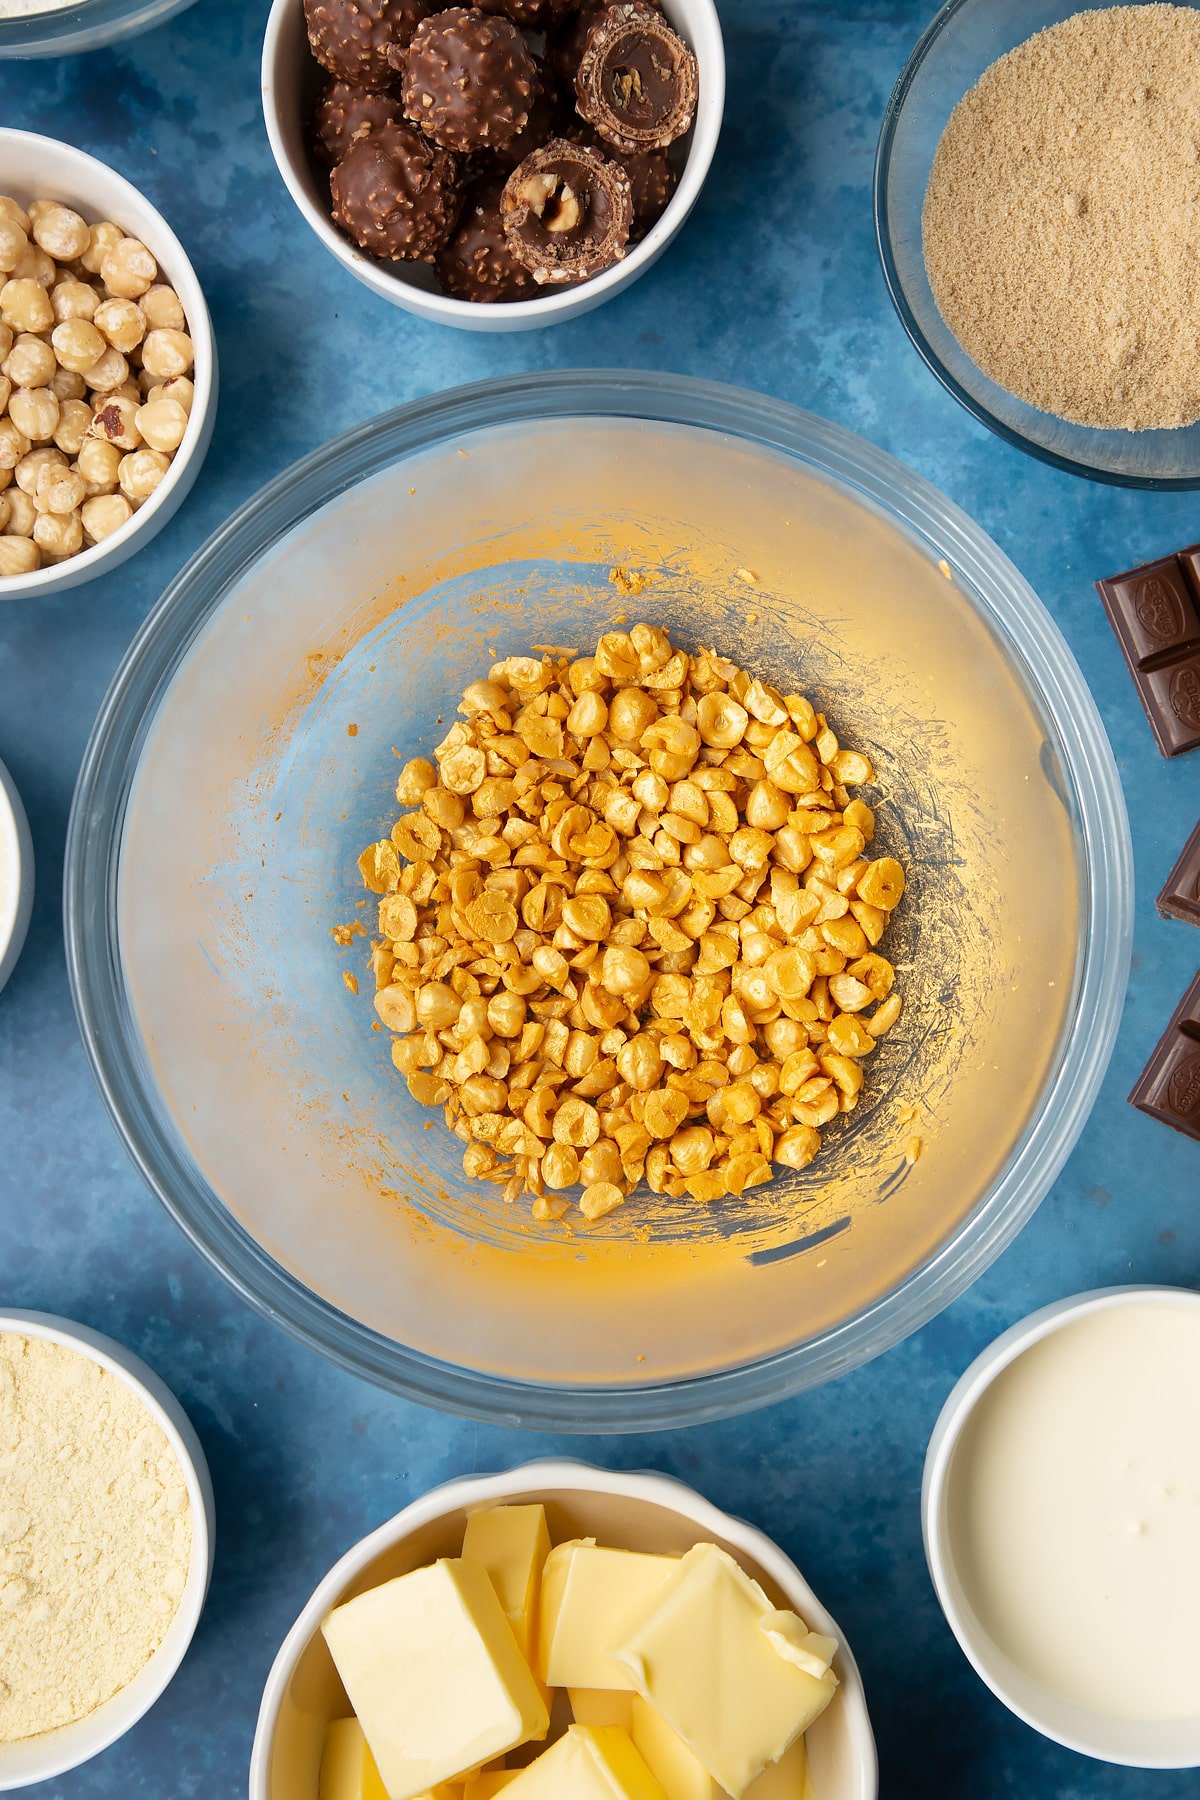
point(1169, 1086)
point(1155, 612)
point(1180, 897)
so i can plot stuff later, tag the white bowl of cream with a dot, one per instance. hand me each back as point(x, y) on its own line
point(1061, 1513)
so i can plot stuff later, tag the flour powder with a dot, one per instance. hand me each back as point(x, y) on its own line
point(95, 1536)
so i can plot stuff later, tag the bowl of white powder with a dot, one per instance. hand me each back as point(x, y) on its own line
point(106, 1543)
point(1035, 199)
point(59, 27)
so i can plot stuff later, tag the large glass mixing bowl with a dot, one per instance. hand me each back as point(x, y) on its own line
point(247, 751)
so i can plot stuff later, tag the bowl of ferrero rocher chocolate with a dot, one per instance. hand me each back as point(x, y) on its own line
point(498, 166)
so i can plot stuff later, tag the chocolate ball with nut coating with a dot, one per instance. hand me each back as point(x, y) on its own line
point(397, 195)
point(351, 38)
point(477, 263)
point(549, 117)
point(343, 114)
point(567, 212)
point(530, 15)
point(469, 80)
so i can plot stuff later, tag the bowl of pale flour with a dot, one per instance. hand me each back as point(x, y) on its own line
point(106, 1542)
point(1035, 192)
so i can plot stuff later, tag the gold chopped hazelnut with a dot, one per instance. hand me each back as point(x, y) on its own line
point(628, 926)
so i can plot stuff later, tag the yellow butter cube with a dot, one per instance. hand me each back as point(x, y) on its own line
point(512, 1543)
point(589, 1597)
point(348, 1769)
point(434, 1674)
point(709, 1655)
point(488, 1782)
point(591, 1762)
point(601, 1706)
point(678, 1771)
point(787, 1779)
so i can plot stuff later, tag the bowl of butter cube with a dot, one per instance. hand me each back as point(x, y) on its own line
point(562, 1630)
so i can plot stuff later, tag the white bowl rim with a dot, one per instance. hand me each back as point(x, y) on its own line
point(16, 841)
point(547, 308)
point(959, 1406)
point(87, 1737)
point(564, 1474)
point(82, 567)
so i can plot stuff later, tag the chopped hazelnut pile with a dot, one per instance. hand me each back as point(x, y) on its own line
point(95, 388)
point(629, 929)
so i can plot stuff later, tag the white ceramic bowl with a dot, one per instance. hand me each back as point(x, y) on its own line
point(1170, 1744)
point(291, 79)
point(42, 168)
point(16, 875)
point(43, 1758)
point(651, 1512)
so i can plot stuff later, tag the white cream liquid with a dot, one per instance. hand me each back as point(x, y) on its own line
point(1074, 1511)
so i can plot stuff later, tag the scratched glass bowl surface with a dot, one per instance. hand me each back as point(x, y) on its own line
point(247, 751)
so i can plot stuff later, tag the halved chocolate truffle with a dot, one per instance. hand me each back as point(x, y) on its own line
point(637, 81)
point(567, 212)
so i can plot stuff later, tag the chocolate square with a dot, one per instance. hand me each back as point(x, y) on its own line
point(1155, 612)
point(1154, 609)
point(1180, 896)
point(1168, 1088)
point(1171, 697)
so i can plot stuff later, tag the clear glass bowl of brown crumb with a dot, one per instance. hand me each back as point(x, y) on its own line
point(220, 934)
point(1065, 187)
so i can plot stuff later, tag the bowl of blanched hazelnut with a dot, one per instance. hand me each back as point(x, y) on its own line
point(107, 368)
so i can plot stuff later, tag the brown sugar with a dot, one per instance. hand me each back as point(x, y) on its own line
point(1062, 219)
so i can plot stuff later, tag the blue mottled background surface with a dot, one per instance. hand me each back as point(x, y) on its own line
point(774, 284)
